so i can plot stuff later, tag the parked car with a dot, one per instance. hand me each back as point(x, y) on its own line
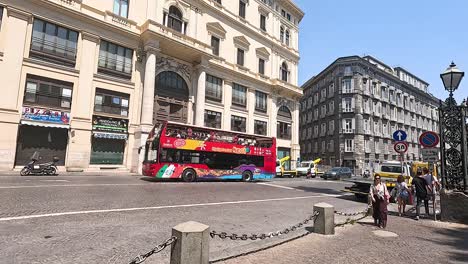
point(337, 173)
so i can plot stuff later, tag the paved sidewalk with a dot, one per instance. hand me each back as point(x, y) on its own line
point(404, 241)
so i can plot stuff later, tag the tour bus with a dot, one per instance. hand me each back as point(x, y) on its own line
point(175, 150)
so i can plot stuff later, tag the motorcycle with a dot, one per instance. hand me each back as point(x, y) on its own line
point(48, 168)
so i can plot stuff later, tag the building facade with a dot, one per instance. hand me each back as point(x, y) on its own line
point(86, 80)
point(351, 109)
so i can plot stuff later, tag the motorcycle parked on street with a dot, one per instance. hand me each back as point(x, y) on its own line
point(48, 168)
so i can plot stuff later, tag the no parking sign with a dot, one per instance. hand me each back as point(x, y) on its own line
point(429, 139)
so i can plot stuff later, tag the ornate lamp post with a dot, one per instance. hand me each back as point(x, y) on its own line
point(453, 134)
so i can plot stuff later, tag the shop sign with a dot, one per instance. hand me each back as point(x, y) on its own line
point(45, 115)
point(109, 124)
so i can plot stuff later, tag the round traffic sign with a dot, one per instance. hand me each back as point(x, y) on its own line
point(400, 147)
point(429, 139)
point(399, 135)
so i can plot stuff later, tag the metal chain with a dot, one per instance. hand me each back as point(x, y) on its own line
point(157, 249)
point(234, 236)
point(353, 214)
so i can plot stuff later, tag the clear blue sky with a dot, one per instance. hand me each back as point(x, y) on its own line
point(422, 36)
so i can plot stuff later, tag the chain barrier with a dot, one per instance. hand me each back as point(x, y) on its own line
point(365, 211)
point(234, 236)
point(157, 249)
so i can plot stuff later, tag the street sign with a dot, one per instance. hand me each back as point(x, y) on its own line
point(399, 135)
point(400, 147)
point(429, 139)
point(430, 154)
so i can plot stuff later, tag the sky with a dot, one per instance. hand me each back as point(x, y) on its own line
point(422, 36)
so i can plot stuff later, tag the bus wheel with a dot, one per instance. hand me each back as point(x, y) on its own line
point(247, 176)
point(189, 175)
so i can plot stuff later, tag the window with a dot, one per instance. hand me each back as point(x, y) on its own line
point(240, 57)
point(121, 8)
point(242, 8)
point(261, 66)
point(287, 38)
point(260, 127)
point(348, 126)
point(366, 126)
point(212, 119)
point(331, 89)
point(284, 72)
point(111, 102)
point(218, 1)
point(323, 93)
point(238, 123)
point(174, 19)
point(283, 13)
point(214, 90)
point(288, 16)
point(263, 22)
point(323, 129)
point(282, 34)
point(331, 126)
point(48, 92)
point(1, 16)
point(349, 145)
point(347, 86)
point(284, 130)
point(215, 45)
point(347, 105)
point(331, 107)
point(115, 60)
point(53, 43)
point(323, 111)
point(260, 101)
point(239, 95)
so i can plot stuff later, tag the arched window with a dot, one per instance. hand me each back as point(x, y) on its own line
point(284, 112)
point(287, 38)
point(170, 84)
point(284, 72)
point(174, 19)
point(282, 34)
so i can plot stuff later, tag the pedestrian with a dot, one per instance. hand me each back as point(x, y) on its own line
point(420, 187)
point(380, 199)
point(402, 194)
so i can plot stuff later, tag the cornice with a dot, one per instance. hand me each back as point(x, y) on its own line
point(14, 12)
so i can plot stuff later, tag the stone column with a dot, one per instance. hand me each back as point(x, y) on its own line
point(227, 90)
point(295, 151)
point(79, 146)
point(149, 83)
point(251, 110)
point(273, 114)
point(200, 96)
point(13, 34)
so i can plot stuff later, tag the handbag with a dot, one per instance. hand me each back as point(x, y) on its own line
point(410, 198)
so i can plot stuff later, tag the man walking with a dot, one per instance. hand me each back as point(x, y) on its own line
point(420, 187)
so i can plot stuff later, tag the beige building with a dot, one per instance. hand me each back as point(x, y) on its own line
point(85, 80)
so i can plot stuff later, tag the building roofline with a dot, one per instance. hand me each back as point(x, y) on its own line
point(377, 60)
point(412, 75)
point(294, 7)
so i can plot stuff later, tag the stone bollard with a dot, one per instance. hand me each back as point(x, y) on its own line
point(192, 245)
point(325, 221)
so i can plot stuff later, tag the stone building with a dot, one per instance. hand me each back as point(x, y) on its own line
point(351, 109)
point(85, 80)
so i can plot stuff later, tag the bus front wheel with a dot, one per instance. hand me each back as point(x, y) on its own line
point(189, 175)
point(247, 176)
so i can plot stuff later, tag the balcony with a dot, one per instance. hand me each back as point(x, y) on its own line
point(54, 52)
point(176, 44)
point(348, 130)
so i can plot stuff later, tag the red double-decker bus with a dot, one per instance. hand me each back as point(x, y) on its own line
point(175, 150)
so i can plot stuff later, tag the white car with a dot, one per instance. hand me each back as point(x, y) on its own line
point(304, 167)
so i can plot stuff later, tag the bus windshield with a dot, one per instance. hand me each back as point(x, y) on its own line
point(175, 150)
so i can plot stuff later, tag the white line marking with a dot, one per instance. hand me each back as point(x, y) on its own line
point(277, 186)
point(54, 181)
point(72, 185)
point(160, 207)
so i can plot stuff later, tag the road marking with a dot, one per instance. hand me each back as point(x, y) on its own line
point(160, 207)
point(72, 185)
point(277, 186)
point(54, 181)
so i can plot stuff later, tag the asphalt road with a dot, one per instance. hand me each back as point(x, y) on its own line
point(111, 219)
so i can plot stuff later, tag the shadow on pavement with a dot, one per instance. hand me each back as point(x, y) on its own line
point(455, 238)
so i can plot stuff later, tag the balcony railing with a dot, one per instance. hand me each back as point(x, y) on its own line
point(348, 130)
point(115, 67)
point(53, 51)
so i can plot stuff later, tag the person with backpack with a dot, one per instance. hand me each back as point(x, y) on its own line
point(420, 187)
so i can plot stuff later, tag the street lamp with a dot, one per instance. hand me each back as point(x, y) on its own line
point(452, 78)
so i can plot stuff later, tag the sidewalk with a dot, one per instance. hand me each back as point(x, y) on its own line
point(69, 173)
point(403, 241)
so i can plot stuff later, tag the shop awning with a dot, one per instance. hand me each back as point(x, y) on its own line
point(43, 124)
point(109, 135)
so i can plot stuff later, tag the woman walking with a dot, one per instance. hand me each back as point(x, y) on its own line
point(379, 196)
point(402, 194)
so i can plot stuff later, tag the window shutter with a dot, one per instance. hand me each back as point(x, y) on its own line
point(353, 123)
point(352, 85)
point(353, 104)
point(342, 86)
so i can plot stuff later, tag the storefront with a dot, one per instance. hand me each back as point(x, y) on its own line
point(45, 131)
point(285, 152)
point(108, 141)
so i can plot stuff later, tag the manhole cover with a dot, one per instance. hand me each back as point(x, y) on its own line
point(381, 233)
